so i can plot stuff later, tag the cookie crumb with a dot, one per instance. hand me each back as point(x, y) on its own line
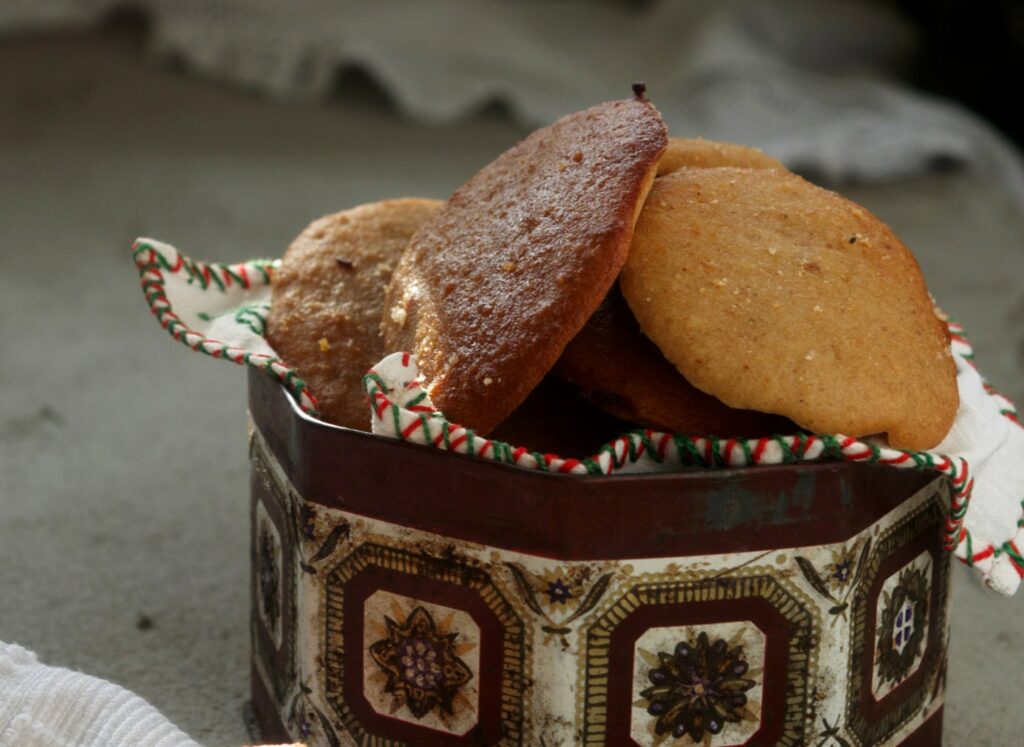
point(488, 381)
point(508, 266)
point(398, 315)
point(324, 345)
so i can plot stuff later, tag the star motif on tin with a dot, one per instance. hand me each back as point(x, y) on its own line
point(558, 592)
point(841, 570)
point(421, 663)
point(698, 688)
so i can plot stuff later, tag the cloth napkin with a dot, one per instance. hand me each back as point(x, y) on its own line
point(220, 310)
point(43, 706)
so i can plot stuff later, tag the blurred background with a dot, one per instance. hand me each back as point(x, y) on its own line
point(224, 127)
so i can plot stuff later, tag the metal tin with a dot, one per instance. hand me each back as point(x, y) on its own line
point(403, 595)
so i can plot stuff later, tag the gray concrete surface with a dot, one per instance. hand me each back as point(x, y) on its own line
point(123, 536)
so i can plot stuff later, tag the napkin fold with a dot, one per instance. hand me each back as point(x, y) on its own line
point(220, 310)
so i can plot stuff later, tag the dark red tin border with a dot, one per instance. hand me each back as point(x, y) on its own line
point(574, 517)
point(928, 734)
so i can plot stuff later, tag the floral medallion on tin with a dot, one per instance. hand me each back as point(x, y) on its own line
point(698, 684)
point(273, 626)
point(421, 662)
point(902, 615)
point(897, 631)
point(422, 649)
point(699, 659)
point(269, 577)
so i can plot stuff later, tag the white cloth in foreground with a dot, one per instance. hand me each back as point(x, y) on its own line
point(43, 706)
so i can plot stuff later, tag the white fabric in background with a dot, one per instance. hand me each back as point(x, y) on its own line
point(43, 706)
point(812, 82)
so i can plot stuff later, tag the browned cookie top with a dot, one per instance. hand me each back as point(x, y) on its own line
point(624, 373)
point(493, 287)
point(327, 297)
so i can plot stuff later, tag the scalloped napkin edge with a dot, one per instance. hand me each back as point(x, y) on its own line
point(220, 310)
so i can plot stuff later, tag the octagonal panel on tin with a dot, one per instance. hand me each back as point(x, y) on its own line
point(902, 624)
point(421, 650)
point(698, 681)
point(269, 575)
point(897, 630)
point(698, 660)
point(421, 662)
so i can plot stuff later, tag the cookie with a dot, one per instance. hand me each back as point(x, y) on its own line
point(696, 152)
point(493, 287)
point(622, 372)
point(555, 419)
point(327, 298)
point(773, 294)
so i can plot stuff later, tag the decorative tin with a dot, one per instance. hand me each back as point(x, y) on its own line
point(407, 596)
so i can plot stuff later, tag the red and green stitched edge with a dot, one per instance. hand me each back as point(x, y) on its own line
point(420, 424)
point(984, 556)
point(671, 449)
point(152, 264)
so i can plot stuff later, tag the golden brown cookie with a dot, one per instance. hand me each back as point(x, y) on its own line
point(493, 287)
point(696, 152)
point(327, 297)
point(773, 294)
point(622, 372)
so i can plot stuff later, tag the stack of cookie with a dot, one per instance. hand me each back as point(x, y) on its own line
point(679, 284)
